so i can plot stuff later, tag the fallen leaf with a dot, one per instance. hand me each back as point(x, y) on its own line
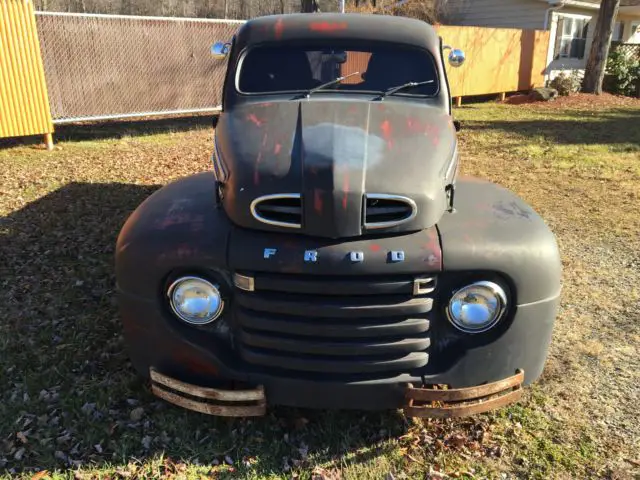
point(19, 454)
point(300, 422)
point(137, 414)
point(320, 473)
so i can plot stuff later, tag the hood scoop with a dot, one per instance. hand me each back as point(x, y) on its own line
point(282, 210)
point(386, 211)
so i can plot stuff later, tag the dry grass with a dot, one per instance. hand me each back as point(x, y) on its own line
point(71, 404)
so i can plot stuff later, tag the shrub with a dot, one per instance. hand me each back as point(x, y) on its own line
point(566, 84)
point(623, 73)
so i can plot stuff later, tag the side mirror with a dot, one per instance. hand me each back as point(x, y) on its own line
point(457, 58)
point(219, 50)
point(340, 57)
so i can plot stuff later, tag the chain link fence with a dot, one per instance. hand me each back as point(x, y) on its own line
point(228, 9)
point(100, 67)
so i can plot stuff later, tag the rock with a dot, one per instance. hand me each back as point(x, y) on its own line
point(543, 94)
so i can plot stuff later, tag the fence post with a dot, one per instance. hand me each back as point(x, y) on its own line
point(48, 141)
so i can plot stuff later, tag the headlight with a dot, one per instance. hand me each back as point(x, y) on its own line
point(195, 300)
point(477, 307)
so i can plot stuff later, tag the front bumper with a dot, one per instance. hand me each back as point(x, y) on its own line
point(425, 401)
point(183, 357)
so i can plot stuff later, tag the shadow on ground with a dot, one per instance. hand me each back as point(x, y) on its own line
point(68, 388)
point(118, 129)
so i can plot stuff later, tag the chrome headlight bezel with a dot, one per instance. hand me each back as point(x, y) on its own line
point(214, 291)
point(493, 290)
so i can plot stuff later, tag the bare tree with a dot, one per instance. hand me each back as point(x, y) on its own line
point(425, 10)
point(240, 9)
point(594, 72)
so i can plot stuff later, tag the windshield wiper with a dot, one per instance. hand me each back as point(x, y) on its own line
point(393, 90)
point(332, 82)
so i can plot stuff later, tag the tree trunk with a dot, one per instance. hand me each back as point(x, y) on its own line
point(308, 6)
point(594, 72)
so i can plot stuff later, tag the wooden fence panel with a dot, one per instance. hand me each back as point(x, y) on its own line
point(498, 59)
point(24, 107)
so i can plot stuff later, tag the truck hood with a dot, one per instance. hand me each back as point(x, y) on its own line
point(335, 154)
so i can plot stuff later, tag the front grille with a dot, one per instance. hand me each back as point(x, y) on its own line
point(304, 325)
point(283, 210)
point(386, 211)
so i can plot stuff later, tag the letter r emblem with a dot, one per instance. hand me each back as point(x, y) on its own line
point(396, 256)
point(311, 256)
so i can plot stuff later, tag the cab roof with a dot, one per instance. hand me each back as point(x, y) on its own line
point(342, 26)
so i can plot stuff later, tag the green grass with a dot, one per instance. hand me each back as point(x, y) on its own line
point(67, 390)
point(556, 138)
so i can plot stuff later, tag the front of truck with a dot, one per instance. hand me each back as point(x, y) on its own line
point(332, 259)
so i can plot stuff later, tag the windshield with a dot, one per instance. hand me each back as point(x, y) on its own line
point(283, 68)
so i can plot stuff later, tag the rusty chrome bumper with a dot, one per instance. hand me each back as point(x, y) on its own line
point(418, 402)
point(426, 402)
point(212, 401)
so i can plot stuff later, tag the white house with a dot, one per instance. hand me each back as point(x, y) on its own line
point(571, 22)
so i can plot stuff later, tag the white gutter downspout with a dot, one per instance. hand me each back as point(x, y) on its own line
point(555, 6)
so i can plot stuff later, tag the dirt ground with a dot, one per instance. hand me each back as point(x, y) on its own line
point(71, 405)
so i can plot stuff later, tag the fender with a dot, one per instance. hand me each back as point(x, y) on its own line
point(493, 229)
point(178, 227)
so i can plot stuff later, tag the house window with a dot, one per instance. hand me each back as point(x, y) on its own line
point(572, 36)
point(618, 30)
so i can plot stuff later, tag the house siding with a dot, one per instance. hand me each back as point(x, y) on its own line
point(496, 13)
point(531, 14)
point(627, 33)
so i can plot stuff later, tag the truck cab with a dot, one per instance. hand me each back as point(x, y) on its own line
point(333, 257)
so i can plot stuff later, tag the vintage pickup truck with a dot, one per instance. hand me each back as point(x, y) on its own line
point(333, 258)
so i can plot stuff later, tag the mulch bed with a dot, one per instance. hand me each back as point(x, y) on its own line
point(577, 101)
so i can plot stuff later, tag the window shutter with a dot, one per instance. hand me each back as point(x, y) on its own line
point(559, 31)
